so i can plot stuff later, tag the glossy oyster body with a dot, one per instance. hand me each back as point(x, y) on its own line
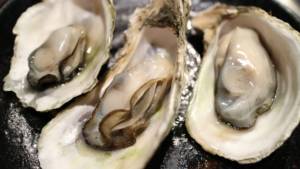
point(60, 47)
point(237, 112)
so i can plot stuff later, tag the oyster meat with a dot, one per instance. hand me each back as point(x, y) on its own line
point(114, 125)
point(245, 102)
point(139, 88)
point(60, 48)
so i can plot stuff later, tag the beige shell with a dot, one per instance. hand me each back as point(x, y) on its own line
point(31, 30)
point(274, 126)
point(62, 145)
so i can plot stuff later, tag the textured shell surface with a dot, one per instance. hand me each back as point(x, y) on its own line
point(32, 29)
point(283, 45)
point(54, 140)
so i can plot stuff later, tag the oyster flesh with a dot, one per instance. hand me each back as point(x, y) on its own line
point(60, 48)
point(138, 99)
point(245, 102)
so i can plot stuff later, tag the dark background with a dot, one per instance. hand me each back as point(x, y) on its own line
point(20, 127)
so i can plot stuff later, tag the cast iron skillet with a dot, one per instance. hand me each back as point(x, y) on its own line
point(20, 127)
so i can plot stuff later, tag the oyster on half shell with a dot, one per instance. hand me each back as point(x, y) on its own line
point(138, 99)
point(60, 48)
point(246, 99)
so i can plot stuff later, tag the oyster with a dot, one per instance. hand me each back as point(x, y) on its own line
point(245, 102)
point(60, 48)
point(138, 99)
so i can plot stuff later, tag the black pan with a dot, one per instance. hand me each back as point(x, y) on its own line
point(20, 127)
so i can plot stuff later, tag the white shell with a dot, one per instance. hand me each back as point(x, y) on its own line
point(31, 30)
point(61, 144)
point(274, 126)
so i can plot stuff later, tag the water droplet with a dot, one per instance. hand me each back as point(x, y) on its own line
point(18, 140)
point(6, 133)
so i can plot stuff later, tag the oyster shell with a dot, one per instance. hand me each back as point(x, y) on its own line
point(249, 78)
point(84, 137)
point(60, 48)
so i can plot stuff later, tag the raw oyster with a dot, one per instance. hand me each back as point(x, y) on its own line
point(60, 48)
point(138, 99)
point(245, 102)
